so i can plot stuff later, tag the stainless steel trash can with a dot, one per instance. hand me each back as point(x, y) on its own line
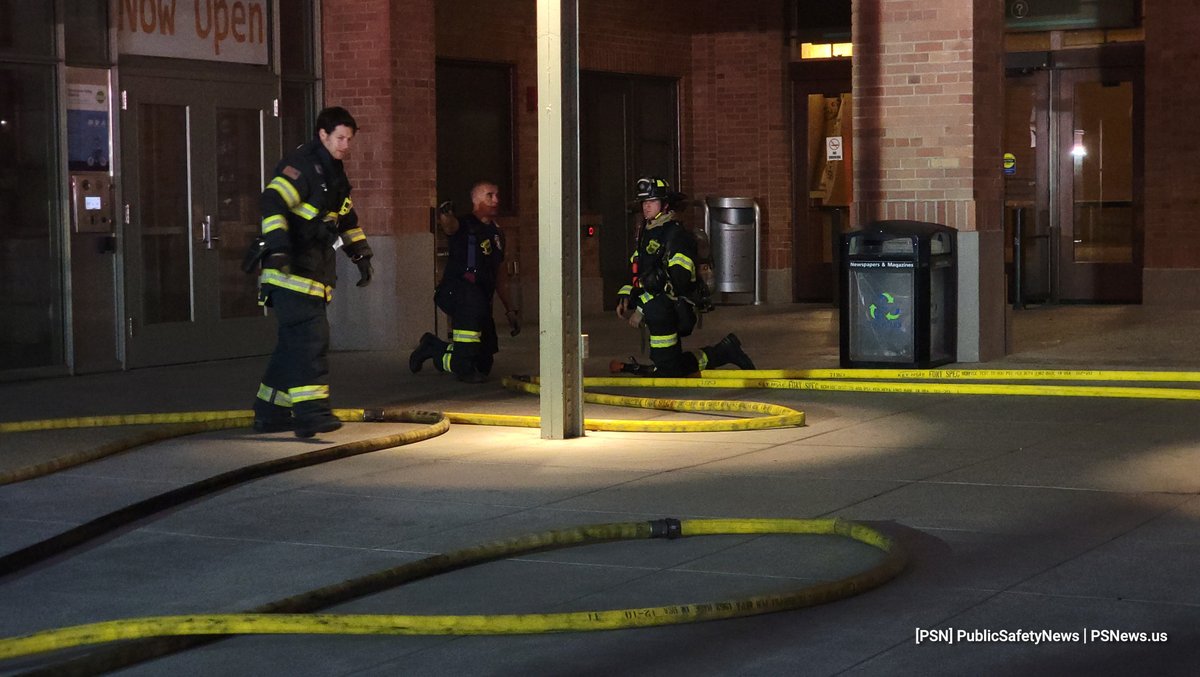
point(734, 226)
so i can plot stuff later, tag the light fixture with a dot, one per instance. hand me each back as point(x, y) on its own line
point(812, 50)
point(1077, 149)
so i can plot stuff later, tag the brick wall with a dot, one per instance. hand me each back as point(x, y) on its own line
point(1172, 136)
point(613, 38)
point(379, 63)
point(927, 80)
point(741, 129)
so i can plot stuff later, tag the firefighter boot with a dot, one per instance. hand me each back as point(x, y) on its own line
point(315, 418)
point(631, 367)
point(471, 375)
point(430, 347)
point(271, 418)
point(728, 351)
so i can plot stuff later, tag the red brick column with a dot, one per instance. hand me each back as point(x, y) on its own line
point(1172, 137)
point(378, 59)
point(928, 107)
point(379, 63)
point(741, 143)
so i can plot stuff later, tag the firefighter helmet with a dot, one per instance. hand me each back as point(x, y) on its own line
point(652, 188)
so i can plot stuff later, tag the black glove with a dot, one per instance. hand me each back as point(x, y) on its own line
point(363, 261)
point(281, 261)
point(254, 255)
point(653, 280)
point(514, 322)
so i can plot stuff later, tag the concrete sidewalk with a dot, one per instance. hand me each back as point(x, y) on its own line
point(1031, 514)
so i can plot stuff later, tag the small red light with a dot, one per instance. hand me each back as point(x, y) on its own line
point(591, 231)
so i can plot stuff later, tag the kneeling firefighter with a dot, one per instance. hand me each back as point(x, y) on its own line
point(664, 291)
point(306, 211)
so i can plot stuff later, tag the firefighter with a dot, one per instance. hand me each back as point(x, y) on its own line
point(474, 273)
point(664, 290)
point(306, 214)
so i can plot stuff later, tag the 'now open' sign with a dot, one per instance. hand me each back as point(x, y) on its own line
point(214, 30)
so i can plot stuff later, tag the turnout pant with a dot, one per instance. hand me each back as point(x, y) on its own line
point(668, 319)
point(473, 330)
point(666, 351)
point(297, 375)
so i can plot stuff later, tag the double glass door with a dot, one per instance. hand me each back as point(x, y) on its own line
point(1072, 170)
point(196, 154)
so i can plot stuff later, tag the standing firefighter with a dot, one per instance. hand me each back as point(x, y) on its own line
point(306, 212)
point(664, 289)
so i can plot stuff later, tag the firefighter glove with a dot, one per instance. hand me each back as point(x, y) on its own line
point(363, 261)
point(514, 322)
point(281, 261)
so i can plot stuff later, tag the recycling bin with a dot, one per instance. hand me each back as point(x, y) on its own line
point(899, 295)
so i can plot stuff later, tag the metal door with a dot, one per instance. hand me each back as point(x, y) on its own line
point(628, 127)
point(1073, 168)
point(195, 156)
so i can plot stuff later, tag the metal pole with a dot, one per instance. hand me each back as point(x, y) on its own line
point(558, 219)
point(1018, 256)
point(757, 253)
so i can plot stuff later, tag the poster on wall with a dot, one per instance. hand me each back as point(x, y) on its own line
point(233, 31)
point(87, 121)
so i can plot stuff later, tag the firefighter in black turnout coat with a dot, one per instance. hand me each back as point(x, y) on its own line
point(664, 289)
point(306, 215)
point(474, 273)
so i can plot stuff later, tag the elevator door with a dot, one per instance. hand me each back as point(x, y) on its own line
point(195, 156)
point(1073, 185)
point(627, 128)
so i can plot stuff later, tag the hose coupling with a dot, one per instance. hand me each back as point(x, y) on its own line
point(667, 527)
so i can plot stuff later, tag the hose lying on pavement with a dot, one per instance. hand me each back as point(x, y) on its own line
point(868, 381)
point(286, 616)
point(771, 416)
point(436, 423)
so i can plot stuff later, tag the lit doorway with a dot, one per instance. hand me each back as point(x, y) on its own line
point(822, 133)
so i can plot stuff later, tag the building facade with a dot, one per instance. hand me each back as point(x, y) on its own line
point(138, 134)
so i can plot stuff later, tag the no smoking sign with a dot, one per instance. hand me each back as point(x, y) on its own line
point(833, 148)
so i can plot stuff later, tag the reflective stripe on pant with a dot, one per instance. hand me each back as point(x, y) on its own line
point(474, 333)
point(299, 367)
point(666, 351)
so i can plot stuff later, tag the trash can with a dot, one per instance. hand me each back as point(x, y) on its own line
point(734, 228)
point(899, 289)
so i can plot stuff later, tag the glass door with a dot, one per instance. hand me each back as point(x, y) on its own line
point(1072, 170)
point(1027, 258)
point(195, 159)
point(1099, 209)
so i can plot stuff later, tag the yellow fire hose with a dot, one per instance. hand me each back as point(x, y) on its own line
point(279, 617)
point(885, 569)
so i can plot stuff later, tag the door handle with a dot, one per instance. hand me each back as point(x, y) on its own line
point(207, 233)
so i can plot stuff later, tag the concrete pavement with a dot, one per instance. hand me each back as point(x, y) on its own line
point(1058, 514)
